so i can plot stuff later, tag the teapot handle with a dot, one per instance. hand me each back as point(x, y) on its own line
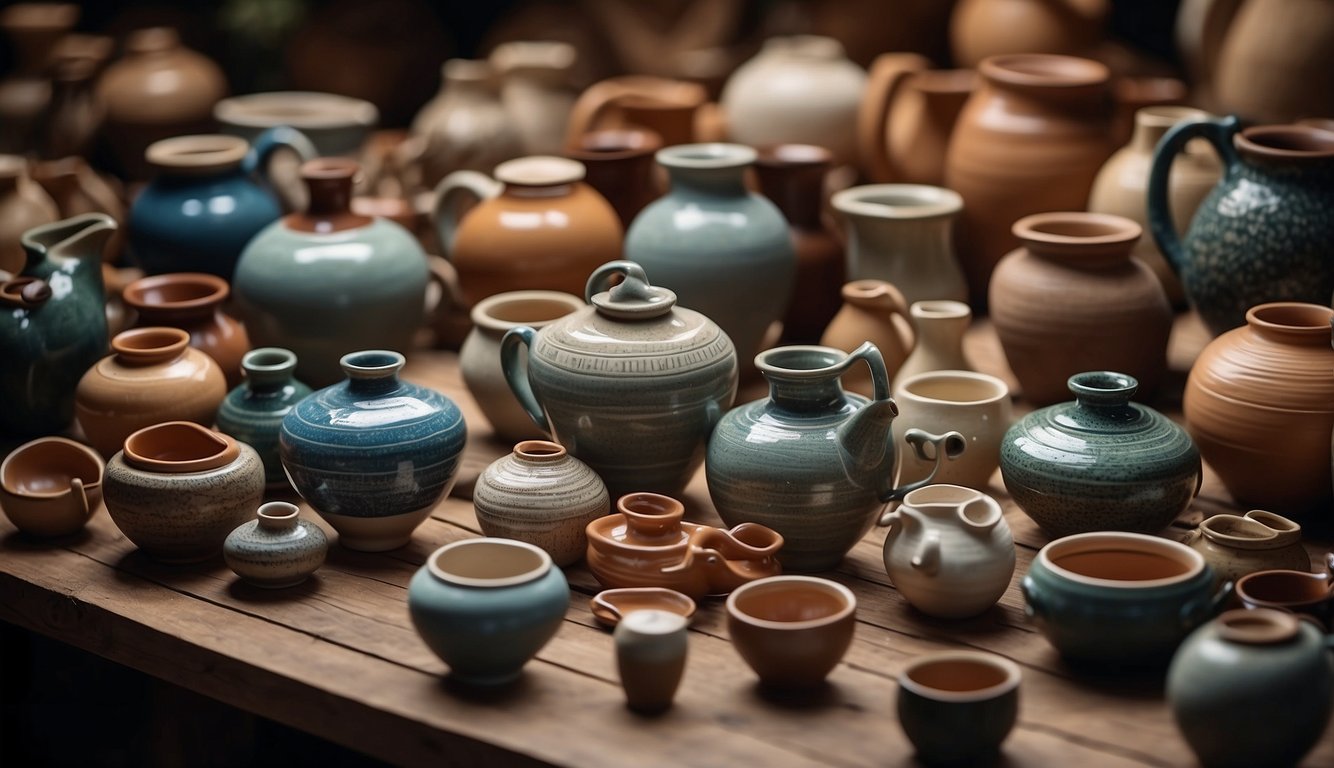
point(1219, 133)
point(876, 362)
point(888, 74)
point(455, 195)
point(258, 161)
point(949, 446)
point(517, 374)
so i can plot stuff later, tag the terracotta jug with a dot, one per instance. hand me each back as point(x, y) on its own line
point(874, 311)
point(1030, 139)
point(983, 28)
point(1277, 61)
point(76, 189)
point(619, 165)
point(1074, 299)
point(192, 301)
point(536, 226)
point(667, 107)
point(940, 327)
point(465, 127)
point(1260, 404)
point(907, 116)
point(34, 29)
point(536, 92)
point(23, 205)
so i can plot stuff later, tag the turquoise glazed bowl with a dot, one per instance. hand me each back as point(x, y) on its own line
point(957, 707)
point(253, 412)
point(1100, 463)
point(487, 606)
point(1119, 599)
point(373, 454)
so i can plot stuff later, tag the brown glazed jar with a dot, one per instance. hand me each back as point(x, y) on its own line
point(619, 165)
point(1259, 403)
point(1073, 299)
point(1030, 139)
point(152, 376)
point(192, 301)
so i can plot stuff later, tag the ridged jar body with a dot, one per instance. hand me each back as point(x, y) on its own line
point(273, 558)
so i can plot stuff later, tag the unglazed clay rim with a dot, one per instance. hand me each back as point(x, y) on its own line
point(540, 451)
point(792, 155)
point(133, 293)
point(611, 615)
point(1314, 329)
point(1013, 676)
point(934, 201)
point(825, 585)
point(1064, 71)
point(1244, 582)
point(197, 154)
point(940, 309)
point(64, 441)
point(1001, 391)
point(540, 171)
point(616, 144)
point(1102, 541)
point(1274, 626)
point(272, 360)
point(481, 313)
point(174, 341)
point(1246, 141)
point(227, 451)
point(712, 155)
point(363, 371)
point(533, 574)
point(302, 110)
point(1122, 230)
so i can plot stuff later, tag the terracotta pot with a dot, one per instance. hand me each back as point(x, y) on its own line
point(192, 301)
point(76, 189)
point(1260, 404)
point(1073, 299)
point(51, 486)
point(874, 311)
point(619, 165)
point(983, 28)
point(34, 30)
point(1277, 61)
point(536, 91)
point(907, 116)
point(466, 127)
point(669, 108)
point(1030, 139)
point(792, 630)
point(23, 205)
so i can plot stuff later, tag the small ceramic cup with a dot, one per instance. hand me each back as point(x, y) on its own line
point(1309, 594)
point(651, 649)
point(957, 707)
point(51, 486)
point(974, 404)
point(277, 549)
point(792, 630)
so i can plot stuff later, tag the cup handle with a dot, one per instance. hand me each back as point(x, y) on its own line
point(1219, 133)
point(517, 374)
point(888, 74)
point(259, 160)
point(455, 195)
point(76, 488)
point(446, 279)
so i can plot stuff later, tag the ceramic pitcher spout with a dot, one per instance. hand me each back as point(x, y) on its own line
point(79, 237)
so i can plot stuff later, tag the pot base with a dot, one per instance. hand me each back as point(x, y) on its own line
point(376, 534)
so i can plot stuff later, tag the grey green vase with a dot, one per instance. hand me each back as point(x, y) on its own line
point(253, 412)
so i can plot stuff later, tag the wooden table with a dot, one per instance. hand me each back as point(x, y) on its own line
point(338, 657)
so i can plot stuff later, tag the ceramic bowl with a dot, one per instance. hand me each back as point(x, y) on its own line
point(277, 549)
point(336, 125)
point(1309, 594)
point(957, 707)
point(611, 605)
point(51, 486)
point(792, 630)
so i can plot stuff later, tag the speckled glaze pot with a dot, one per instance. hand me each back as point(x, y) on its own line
point(178, 489)
point(1263, 233)
point(153, 375)
point(373, 454)
point(542, 495)
point(632, 385)
point(709, 235)
point(1237, 545)
point(51, 486)
point(1101, 462)
point(253, 412)
point(192, 301)
point(1252, 688)
point(487, 606)
point(1259, 402)
point(277, 549)
point(957, 707)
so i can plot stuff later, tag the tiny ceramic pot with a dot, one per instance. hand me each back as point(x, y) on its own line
point(178, 489)
point(975, 405)
point(957, 707)
point(651, 649)
point(487, 606)
point(192, 301)
point(1235, 545)
point(611, 605)
point(277, 549)
point(1119, 599)
point(1310, 594)
point(253, 412)
point(51, 486)
point(792, 630)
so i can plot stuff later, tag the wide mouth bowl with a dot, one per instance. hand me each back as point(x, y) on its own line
point(504, 311)
point(1043, 69)
point(1077, 228)
point(372, 363)
point(1283, 589)
point(1287, 141)
point(148, 345)
point(897, 201)
point(179, 446)
point(47, 467)
point(789, 603)
point(205, 152)
point(488, 562)
point(960, 676)
point(303, 110)
point(1121, 560)
point(954, 387)
point(182, 290)
point(707, 156)
point(540, 171)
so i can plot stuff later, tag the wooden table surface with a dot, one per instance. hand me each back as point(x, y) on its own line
point(338, 656)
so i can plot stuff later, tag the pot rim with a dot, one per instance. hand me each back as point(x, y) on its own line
point(72, 445)
point(1044, 70)
point(1102, 541)
point(999, 388)
point(226, 449)
point(540, 171)
point(135, 293)
point(544, 565)
point(302, 110)
point(827, 586)
point(1258, 626)
point(198, 154)
point(921, 201)
point(1261, 140)
point(707, 155)
point(1116, 230)
point(615, 144)
point(166, 343)
point(482, 312)
point(1013, 676)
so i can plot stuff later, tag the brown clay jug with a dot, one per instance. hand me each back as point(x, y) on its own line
point(192, 301)
point(1277, 61)
point(76, 188)
point(874, 311)
point(669, 108)
point(23, 205)
point(34, 29)
point(619, 165)
point(1073, 299)
point(907, 116)
point(1030, 139)
point(984, 28)
point(1259, 403)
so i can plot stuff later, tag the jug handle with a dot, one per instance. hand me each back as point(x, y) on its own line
point(949, 446)
point(889, 72)
point(927, 556)
point(517, 374)
point(1219, 133)
point(589, 108)
point(455, 195)
point(259, 159)
point(876, 362)
point(446, 279)
point(76, 488)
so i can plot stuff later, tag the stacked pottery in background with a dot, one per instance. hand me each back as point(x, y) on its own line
point(982, 28)
point(906, 117)
point(34, 31)
point(1276, 62)
point(535, 91)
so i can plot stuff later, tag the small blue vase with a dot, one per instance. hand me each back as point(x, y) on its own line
point(253, 412)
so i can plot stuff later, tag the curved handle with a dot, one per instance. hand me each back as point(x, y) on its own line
point(890, 517)
point(633, 286)
point(888, 73)
point(76, 488)
point(927, 556)
point(1208, 606)
point(589, 108)
point(990, 518)
point(455, 195)
point(1034, 608)
point(949, 446)
point(876, 362)
point(516, 373)
point(1219, 133)
point(446, 280)
point(259, 160)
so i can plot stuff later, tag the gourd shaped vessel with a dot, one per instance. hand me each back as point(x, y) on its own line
point(277, 549)
point(1263, 233)
point(1237, 545)
point(1101, 463)
point(811, 461)
point(253, 412)
point(631, 386)
point(373, 454)
point(52, 324)
point(949, 550)
point(329, 281)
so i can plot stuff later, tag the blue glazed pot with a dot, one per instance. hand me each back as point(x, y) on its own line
point(208, 200)
point(487, 606)
point(373, 454)
point(253, 412)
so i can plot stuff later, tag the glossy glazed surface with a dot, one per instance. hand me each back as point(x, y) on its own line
point(253, 412)
point(192, 301)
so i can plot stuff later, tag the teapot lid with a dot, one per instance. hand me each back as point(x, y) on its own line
point(633, 299)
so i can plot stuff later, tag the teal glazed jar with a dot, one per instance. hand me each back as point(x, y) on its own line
point(328, 281)
point(210, 196)
point(1263, 233)
point(487, 606)
point(813, 462)
point(253, 412)
point(53, 326)
point(710, 237)
point(1100, 463)
point(1252, 687)
point(373, 454)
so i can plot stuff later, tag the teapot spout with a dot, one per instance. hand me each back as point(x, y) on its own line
point(865, 440)
point(80, 237)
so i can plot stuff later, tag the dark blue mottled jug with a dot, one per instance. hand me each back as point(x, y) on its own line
point(1264, 233)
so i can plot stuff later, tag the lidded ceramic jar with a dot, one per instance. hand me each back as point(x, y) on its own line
point(51, 486)
point(631, 385)
point(277, 549)
point(542, 495)
point(1100, 463)
point(253, 412)
point(328, 281)
point(373, 454)
point(1236, 545)
point(1259, 402)
point(192, 301)
point(153, 375)
point(1252, 687)
point(1073, 299)
point(177, 489)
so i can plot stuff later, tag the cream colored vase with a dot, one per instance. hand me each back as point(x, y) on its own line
point(535, 90)
point(974, 404)
point(940, 327)
point(874, 311)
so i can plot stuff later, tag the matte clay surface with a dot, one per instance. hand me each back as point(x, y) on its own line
point(792, 630)
point(51, 486)
point(906, 117)
point(619, 165)
point(1235, 546)
point(874, 311)
point(958, 706)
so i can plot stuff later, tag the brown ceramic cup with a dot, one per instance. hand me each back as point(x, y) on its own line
point(957, 707)
point(1306, 594)
point(792, 630)
point(51, 486)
